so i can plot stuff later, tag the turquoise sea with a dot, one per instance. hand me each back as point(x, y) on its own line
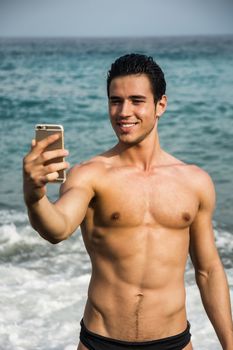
point(63, 81)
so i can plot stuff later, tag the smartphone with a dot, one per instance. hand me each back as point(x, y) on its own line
point(44, 130)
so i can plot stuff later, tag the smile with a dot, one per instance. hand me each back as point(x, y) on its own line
point(127, 125)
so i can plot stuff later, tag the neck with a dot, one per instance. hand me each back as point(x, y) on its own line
point(143, 155)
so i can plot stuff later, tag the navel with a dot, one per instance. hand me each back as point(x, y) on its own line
point(186, 217)
point(115, 216)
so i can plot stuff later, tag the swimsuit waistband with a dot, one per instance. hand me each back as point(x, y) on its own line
point(178, 341)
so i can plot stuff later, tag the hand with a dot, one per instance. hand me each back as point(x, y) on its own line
point(36, 173)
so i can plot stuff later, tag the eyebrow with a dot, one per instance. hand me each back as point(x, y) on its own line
point(138, 97)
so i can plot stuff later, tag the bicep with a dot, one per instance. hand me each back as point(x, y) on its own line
point(203, 250)
point(75, 196)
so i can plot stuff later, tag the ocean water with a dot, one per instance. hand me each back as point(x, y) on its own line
point(43, 287)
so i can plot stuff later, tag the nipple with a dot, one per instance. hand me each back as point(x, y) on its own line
point(115, 216)
point(186, 216)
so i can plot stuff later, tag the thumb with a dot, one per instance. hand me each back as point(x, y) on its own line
point(33, 143)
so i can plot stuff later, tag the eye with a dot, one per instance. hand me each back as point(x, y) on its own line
point(115, 102)
point(137, 102)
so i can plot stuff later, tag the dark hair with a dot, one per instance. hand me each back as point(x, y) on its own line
point(139, 64)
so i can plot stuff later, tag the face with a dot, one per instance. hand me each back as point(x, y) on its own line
point(132, 108)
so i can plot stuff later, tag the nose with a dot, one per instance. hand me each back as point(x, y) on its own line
point(125, 109)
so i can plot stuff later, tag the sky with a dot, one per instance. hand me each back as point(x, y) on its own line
point(114, 18)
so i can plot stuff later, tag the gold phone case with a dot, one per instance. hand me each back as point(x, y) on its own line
point(44, 130)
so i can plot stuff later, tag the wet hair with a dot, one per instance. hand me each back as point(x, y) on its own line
point(139, 64)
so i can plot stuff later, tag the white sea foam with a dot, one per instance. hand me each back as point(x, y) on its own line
point(44, 287)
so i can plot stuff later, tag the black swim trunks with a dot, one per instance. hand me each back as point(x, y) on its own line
point(95, 341)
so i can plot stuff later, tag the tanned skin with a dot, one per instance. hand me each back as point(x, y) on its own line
point(141, 213)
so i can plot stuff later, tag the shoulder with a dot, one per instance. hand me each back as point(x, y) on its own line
point(199, 177)
point(96, 165)
point(195, 175)
point(203, 186)
point(198, 180)
point(87, 172)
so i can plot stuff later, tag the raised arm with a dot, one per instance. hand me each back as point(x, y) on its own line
point(210, 276)
point(54, 221)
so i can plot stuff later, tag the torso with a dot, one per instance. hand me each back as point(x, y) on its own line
point(136, 231)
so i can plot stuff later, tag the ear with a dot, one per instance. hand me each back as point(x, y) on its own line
point(161, 106)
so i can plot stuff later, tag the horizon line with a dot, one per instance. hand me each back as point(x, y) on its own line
point(115, 36)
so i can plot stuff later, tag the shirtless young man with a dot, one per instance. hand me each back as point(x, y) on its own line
point(141, 212)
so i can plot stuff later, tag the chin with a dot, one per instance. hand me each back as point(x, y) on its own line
point(130, 141)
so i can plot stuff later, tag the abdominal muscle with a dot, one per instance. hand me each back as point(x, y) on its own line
point(136, 292)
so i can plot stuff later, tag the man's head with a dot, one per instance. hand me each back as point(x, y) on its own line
point(136, 98)
point(134, 64)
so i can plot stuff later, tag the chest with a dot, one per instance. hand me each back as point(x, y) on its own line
point(128, 201)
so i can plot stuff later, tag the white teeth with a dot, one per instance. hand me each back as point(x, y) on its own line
point(127, 125)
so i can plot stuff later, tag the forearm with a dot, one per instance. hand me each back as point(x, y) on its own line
point(47, 220)
point(216, 300)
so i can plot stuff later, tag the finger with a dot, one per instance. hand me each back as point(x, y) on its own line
point(33, 143)
point(41, 145)
point(51, 168)
point(29, 156)
point(49, 178)
point(48, 155)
